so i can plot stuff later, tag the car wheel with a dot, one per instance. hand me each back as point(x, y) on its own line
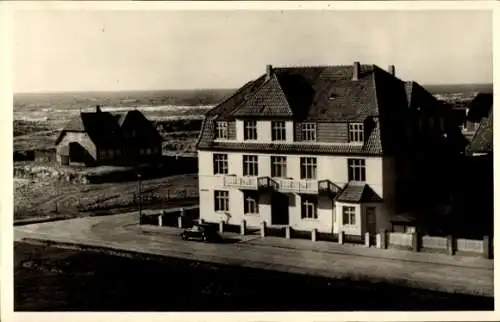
point(204, 238)
point(184, 237)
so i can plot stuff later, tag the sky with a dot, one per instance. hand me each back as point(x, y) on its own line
point(82, 50)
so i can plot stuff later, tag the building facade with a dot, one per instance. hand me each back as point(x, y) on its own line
point(321, 148)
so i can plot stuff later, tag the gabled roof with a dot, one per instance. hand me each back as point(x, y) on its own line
point(480, 107)
point(269, 100)
point(358, 192)
point(101, 127)
point(322, 94)
point(482, 141)
point(104, 128)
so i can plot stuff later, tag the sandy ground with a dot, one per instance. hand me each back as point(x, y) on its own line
point(39, 198)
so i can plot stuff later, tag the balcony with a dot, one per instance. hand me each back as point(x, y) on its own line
point(232, 181)
point(250, 183)
point(297, 186)
point(328, 188)
point(266, 183)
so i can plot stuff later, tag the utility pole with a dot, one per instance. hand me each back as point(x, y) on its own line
point(140, 197)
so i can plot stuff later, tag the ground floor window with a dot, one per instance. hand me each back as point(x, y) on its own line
point(349, 215)
point(309, 207)
point(221, 199)
point(251, 203)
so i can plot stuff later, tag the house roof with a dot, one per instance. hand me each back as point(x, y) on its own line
point(103, 128)
point(358, 192)
point(480, 107)
point(482, 141)
point(320, 94)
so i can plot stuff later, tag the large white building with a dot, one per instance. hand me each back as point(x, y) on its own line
point(315, 147)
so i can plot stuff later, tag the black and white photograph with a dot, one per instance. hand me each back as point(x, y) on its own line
point(271, 160)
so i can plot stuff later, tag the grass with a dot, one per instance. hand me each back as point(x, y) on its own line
point(34, 199)
point(45, 279)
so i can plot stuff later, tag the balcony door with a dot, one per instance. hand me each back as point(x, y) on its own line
point(279, 209)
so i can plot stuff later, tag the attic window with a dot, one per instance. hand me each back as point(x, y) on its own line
point(222, 130)
point(356, 132)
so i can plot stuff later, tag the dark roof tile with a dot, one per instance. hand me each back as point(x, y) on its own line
point(358, 192)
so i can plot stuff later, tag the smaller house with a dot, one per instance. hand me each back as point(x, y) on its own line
point(469, 114)
point(102, 138)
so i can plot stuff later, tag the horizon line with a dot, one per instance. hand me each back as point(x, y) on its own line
point(195, 89)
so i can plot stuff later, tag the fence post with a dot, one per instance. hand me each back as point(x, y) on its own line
point(450, 245)
point(487, 247)
point(243, 227)
point(415, 241)
point(314, 234)
point(367, 239)
point(179, 221)
point(287, 232)
point(160, 220)
point(263, 229)
point(385, 239)
point(221, 226)
point(341, 237)
point(378, 240)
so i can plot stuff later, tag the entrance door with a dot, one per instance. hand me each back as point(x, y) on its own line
point(371, 220)
point(279, 209)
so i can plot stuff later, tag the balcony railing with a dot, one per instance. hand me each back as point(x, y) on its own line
point(266, 183)
point(328, 187)
point(297, 186)
point(241, 182)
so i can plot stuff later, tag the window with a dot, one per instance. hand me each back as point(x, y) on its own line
point(356, 132)
point(220, 163)
point(148, 151)
point(357, 169)
point(250, 130)
point(221, 200)
point(308, 132)
point(308, 168)
point(309, 205)
point(278, 131)
point(348, 215)
point(221, 130)
point(250, 165)
point(278, 166)
point(251, 203)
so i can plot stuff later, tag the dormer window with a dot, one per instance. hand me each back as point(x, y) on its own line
point(356, 132)
point(221, 130)
point(308, 131)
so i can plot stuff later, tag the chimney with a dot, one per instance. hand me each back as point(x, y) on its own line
point(269, 71)
point(355, 71)
point(98, 108)
point(392, 70)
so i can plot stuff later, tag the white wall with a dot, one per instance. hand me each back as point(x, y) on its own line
point(333, 168)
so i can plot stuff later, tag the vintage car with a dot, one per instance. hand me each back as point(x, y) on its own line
point(201, 232)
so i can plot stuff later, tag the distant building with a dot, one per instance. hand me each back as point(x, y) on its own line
point(101, 138)
point(335, 148)
point(470, 113)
